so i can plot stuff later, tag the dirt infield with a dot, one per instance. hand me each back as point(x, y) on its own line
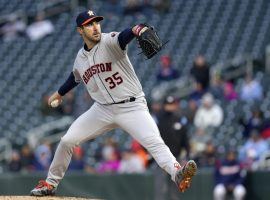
point(41, 198)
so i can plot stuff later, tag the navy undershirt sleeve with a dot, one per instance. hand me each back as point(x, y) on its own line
point(125, 37)
point(68, 85)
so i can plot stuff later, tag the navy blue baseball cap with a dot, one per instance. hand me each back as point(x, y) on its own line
point(86, 17)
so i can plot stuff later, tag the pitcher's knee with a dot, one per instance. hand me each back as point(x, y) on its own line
point(67, 142)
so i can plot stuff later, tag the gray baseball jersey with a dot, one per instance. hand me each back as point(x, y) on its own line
point(107, 72)
point(110, 78)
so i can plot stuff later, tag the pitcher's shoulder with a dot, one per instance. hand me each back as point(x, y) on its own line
point(80, 53)
point(109, 36)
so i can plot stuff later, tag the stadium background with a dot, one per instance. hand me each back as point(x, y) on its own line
point(232, 35)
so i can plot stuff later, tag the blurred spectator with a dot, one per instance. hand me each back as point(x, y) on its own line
point(155, 108)
point(132, 7)
point(252, 150)
point(113, 7)
point(68, 103)
point(43, 156)
point(111, 161)
point(27, 158)
point(199, 141)
point(209, 113)
point(256, 121)
point(264, 162)
point(162, 6)
point(131, 163)
point(166, 71)
point(77, 162)
point(40, 28)
point(12, 29)
point(207, 158)
point(217, 86)
point(229, 92)
point(251, 89)
point(222, 90)
point(138, 149)
point(173, 127)
point(15, 164)
point(48, 110)
point(266, 129)
point(200, 71)
point(229, 178)
point(190, 110)
point(198, 92)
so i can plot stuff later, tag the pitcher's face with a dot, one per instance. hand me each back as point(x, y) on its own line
point(91, 31)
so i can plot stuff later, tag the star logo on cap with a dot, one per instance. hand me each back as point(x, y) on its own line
point(90, 13)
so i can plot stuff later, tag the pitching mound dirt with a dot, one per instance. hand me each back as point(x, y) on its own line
point(41, 198)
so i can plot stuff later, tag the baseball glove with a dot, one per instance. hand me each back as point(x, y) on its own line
point(148, 40)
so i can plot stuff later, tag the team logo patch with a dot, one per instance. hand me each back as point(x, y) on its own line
point(113, 34)
point(90, 13)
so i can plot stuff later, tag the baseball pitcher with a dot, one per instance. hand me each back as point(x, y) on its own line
point(103, 66)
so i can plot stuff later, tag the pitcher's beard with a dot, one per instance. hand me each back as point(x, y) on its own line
point(94, 39)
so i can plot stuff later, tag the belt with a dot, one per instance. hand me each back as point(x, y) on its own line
point(131, 99)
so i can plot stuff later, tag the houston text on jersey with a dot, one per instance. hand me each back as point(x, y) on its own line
point(96, 69)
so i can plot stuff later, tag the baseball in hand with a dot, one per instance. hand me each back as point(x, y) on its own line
point(55, 103)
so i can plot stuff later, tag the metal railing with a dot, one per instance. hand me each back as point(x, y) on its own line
point(36, 134)
point(5, 149)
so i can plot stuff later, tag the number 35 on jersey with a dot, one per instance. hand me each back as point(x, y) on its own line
point(114, 80)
